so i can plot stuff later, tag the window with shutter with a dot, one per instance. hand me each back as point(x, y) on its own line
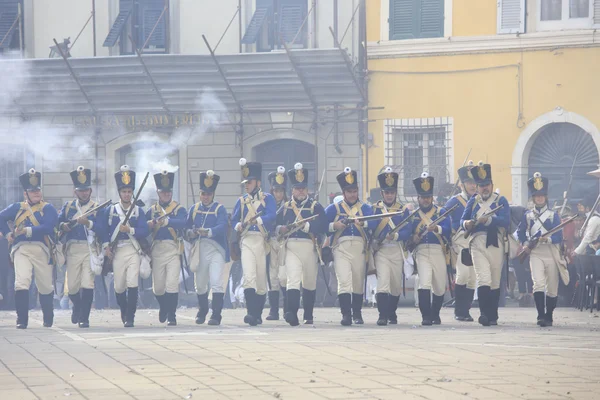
point(597, 12)
point(125, 9)
point(274, 21)
point(511, 16)
point(152, 16)
point(413, 19)
point(8, 26)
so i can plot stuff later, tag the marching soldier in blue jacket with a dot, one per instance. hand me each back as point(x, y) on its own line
point(431, 239)
point(81, 252)
point(127, 257)
point(300, 246)
point(166, 220)
point(487, 241)
point(389, 257)
point(277, 279)
point(349, 241)
point(207, 227)
point(34, 221)
point(254, 219)
point(545, 259)
point(466, 281)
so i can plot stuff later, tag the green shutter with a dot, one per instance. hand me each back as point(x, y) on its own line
point(413, 19)
point(403, 24)
point(432, 18)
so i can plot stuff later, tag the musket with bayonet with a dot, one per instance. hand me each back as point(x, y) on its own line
point(487, 214)
point(108, 262)
point(377, 242)
point(411, 245)
point(566, 192)
point(536, 239)
point(354, 220)
point(294, 227)
point(89, 212)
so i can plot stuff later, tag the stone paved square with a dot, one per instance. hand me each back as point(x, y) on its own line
point(515, 360)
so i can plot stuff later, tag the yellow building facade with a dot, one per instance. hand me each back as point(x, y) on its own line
point(513, 82)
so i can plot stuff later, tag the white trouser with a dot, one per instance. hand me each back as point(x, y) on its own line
point(431, 267)
point(79, 271)
point(32, 258)
point(277, 266)
point(126, 267)
point(165, 267)
point(389, 262)
point(210, 262)
point(350, 264)
point(301, 264)
point(487, 261)
point(465, 275)
point(254, 262)
point(544, 269)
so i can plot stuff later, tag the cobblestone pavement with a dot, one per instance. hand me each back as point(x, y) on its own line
point(515, 360)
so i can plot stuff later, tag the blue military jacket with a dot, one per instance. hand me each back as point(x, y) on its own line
point(424, 218)
point(176, 217)
point(499, 220)
point(537, 222)
point(68, 212)
point(213, 218)
point(461, 201)
point(110, 221)
point(381, 227)
point(264, 202)
point(341, 210)
point(41, 224)
point(305, 209)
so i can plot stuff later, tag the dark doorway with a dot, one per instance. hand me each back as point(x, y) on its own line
point(553, 153)
point(286, 152)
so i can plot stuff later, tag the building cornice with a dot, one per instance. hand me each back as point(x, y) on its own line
point(483, 44)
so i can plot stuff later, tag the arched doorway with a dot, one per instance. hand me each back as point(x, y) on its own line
point(552, 153)
point(286, 152)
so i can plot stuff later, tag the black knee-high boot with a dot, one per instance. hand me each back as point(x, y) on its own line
point(122, 303)
point(76, 311)
point(436, 306)
point(293, 299)
point(46, 301)
point(483, 296)
point(22, 308)
point(284, 295)
point(383, 306)
point(392, 317)
point(203, 308)
point(469, 295)
point(173, 299)
point(540, 304)
point(217, 306)
point(261, 299)
point(345, 300)
point(494, 304)
point(308, 303)
point(550, 306)
point(425, 306)
point(459, 302)
point(162, 308)
point(273, 306)
point(132, 298)
point(357, 302)
point(250, 298)
point(87, 297)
